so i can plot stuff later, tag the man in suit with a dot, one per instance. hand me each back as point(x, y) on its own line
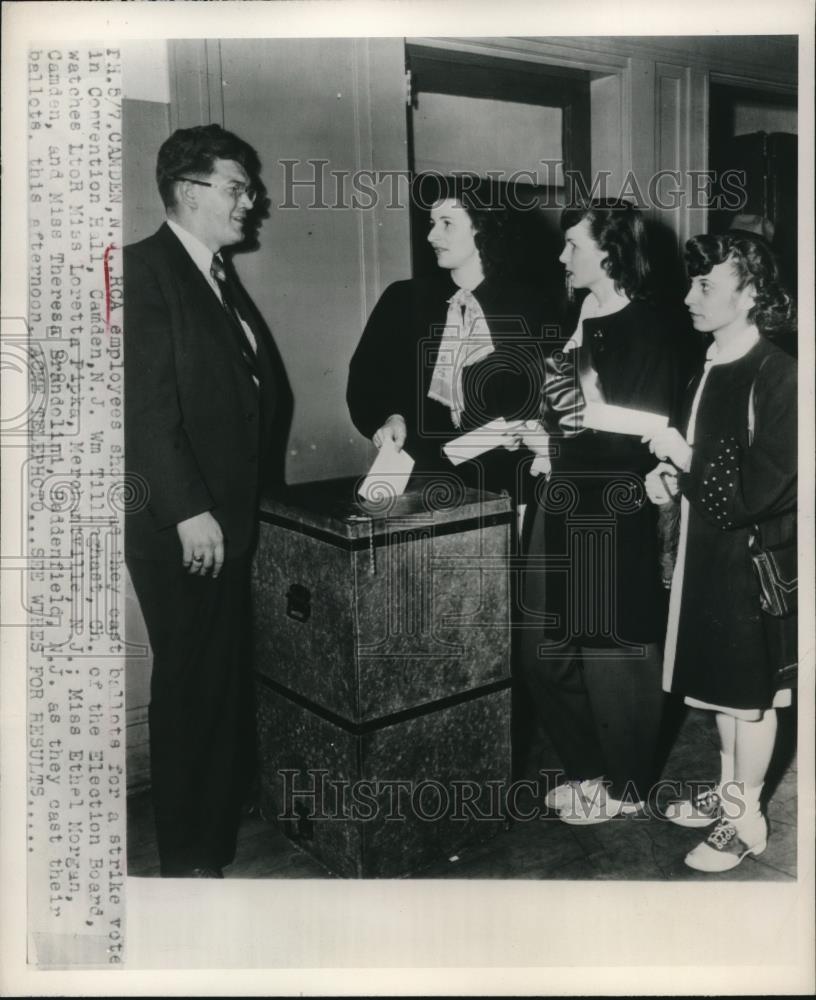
point(199, 401)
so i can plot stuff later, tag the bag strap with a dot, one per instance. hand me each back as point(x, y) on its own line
point(754, 541)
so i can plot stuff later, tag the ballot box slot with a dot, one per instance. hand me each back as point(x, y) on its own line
point(394, 718)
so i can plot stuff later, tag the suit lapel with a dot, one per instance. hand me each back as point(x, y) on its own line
point(184, 266)
point(214, 325)
point(201, 299)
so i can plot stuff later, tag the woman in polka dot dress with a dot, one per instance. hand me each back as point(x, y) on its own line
point(734, 468)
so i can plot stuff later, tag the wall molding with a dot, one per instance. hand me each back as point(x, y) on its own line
point(672, 135)
point(196, 96)
point(537, 50)
point(751, 82)
point(767, 59)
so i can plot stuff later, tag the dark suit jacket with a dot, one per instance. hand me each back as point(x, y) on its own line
point(196, 426)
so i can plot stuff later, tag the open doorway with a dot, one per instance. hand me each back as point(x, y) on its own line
point(754, 132)
point(516, 121)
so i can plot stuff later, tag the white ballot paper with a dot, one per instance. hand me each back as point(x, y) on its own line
point(389, 473)
point(623, 420)
point(475, 443)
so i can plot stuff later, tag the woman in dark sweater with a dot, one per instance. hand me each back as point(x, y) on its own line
point(445, 354)
point(735, 466)
point(593, 598)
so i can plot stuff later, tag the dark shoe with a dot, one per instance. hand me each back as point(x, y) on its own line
point(204, 873)
point(201, 872)
point(251, 807)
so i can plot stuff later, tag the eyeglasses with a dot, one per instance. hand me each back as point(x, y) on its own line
point(235, 191)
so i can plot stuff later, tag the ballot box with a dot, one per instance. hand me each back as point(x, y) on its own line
point(382, 659)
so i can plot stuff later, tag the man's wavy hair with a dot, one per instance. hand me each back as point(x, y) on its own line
point(617, 227)
point(194, 151)
point(754, 263)
point(488, 206)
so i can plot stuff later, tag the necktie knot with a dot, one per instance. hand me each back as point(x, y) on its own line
point(217, 270)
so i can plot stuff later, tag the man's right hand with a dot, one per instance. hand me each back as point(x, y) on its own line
point(393, 430)
point(202, 544)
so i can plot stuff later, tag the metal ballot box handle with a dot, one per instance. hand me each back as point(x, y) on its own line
point(299, 602)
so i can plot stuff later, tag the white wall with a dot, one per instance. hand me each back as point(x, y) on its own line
point(145, 72)
point(478, 135)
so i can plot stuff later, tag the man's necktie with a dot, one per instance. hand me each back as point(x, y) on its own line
point(219, 275)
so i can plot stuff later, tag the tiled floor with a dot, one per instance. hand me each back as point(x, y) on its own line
point(545, 848)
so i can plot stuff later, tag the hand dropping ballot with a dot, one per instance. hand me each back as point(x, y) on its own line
point(623, 420)
point(389, 472)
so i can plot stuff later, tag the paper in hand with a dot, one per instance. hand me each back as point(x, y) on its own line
point(389, 473)
point(475, 443)
point(623, 420)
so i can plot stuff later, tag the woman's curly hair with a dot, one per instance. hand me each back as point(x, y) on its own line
point(617, 227)
point(488, 205)
point(753, 260)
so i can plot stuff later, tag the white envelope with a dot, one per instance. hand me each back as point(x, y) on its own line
point(623, 420)
point(475, 443)
point(389, 473)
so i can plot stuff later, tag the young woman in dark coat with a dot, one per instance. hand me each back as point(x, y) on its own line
point(447, 353)
point(735, 466)
point(593, 598)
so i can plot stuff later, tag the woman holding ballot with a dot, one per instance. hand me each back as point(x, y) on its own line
point(593, 599)
point(731, 641)
point(449, 353)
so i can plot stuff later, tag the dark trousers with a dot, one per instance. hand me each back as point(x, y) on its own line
point(603, 714)
point(201, 715)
